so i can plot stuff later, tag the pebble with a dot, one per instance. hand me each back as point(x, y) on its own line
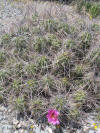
point(49, 130)
point(23, 124)
point(1, 117)
point(2, 109)
point(15, 122)
point(19, 126)
point(6, 128)
point(93, 131)
point(21, 131)
point(16, 132)
point(8, 15)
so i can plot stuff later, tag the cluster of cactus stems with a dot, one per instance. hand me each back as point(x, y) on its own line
point(40, 70)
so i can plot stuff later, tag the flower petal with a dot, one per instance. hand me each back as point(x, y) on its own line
point(52, 116)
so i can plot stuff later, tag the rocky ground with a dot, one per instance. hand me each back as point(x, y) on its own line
point(11, 123)
point(11, 15)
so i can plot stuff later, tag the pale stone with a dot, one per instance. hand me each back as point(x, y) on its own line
point(49, 130)
point(15, 122)
point(16, 132)
point(19, 125)
point(24, 124)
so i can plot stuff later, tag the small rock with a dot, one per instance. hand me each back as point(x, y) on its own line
point(16, 132)
point(9, 110)
point(1, 117)
point(15, 122)
point(7, 128)
point(2, 109)
point(85, 128)
point(25, 131)
point(92, 131)
point(31, 120)
point(22, 131)
point(23, 124)
point(19, 126)
point(49, 130)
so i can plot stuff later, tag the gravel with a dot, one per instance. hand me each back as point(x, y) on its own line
point(10, 124)
point(10, 14)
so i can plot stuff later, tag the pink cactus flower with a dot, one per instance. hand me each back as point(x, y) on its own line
point(52, 116)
